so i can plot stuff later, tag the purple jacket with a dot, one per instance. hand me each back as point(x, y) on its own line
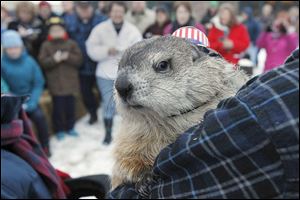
point(277, 48)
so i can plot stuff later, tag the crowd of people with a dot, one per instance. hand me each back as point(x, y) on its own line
point(76, 51)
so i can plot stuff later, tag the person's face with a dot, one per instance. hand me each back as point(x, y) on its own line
point(68, 6)
point(117, 13)
point(14, 52)
point(45, 12)
point(161, 17)
point(182, 15)
point(225, 17)
point(213, 10)
point(267, 10)
point(85, 13)
point(25, 16)
point(101, 5)
point(57, 32)
point(138, 6)
point(244, 16)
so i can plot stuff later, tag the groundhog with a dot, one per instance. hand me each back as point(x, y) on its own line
point(164, 87)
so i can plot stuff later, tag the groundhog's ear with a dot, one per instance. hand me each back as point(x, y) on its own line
point(196, 53)
point(199, 51)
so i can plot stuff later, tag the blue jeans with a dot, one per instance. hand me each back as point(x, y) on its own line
point(253, 51)
point(106, 88)
point(38, 118)
point(87, 83)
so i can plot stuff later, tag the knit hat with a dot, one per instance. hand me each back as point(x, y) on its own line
point(83, 4)
point(44, 4)
point(162, 8)
point(193, 34)
point(55, 21)
point(11, 38)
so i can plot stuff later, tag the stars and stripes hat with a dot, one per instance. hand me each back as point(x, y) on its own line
point(193, 34)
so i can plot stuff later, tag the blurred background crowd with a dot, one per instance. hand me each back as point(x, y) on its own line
point(64, 54)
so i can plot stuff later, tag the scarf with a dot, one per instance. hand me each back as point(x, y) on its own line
point(18, 136)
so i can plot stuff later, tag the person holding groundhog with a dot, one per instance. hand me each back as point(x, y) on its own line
point(61, 57)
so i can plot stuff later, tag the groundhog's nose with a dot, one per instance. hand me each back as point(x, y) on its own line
point(124, 87)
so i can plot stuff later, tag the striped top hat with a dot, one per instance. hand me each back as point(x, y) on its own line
point(193, 34)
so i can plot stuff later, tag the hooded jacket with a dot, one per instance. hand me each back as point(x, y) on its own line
point(24, 77)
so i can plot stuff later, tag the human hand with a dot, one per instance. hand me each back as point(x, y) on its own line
point(28, 107)
point(65, 55)
point(60, 56)
point(57, 56)
point(227, 44)
point(22, 31)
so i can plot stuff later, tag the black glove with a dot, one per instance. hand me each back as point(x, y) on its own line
point(10, 107)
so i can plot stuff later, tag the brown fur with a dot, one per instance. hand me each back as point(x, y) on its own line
point(195, 79)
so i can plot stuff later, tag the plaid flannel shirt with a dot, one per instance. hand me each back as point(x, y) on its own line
point(246, 148)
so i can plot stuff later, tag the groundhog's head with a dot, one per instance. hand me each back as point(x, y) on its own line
point(168, 77)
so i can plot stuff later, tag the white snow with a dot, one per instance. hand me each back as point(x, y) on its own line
point(84, 155)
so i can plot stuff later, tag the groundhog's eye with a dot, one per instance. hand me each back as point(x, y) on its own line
point(163, 66)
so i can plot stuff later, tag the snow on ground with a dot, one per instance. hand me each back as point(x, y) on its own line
point(84, 155)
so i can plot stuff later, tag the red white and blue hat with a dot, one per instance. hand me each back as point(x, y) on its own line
point(193, 34)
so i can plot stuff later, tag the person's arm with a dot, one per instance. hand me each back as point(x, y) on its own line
point(96, 49)
point(46, 59)
point(75, 56)
point(4, 86)
point(133, 38)
point(292, 41)
point(168, 29)
point(214, 40)
point(242, 41)
point(13, 26)
point(262, 40)
point(37, 87)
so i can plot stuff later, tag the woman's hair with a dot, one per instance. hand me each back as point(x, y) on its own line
point(27, 6)
point(119, 3)
point(232, 11)
point(185, 4)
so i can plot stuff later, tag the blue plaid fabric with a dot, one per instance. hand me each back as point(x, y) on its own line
point(246, 148)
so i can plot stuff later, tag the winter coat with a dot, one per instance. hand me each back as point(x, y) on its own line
point(238, 34)
point(62, 78)
point(252, 25)
point(79, 32)
point(277, 47)
point(104, 37)
point(141, 21)
point(4, 86)
point(24, 77)
point(20, 180)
